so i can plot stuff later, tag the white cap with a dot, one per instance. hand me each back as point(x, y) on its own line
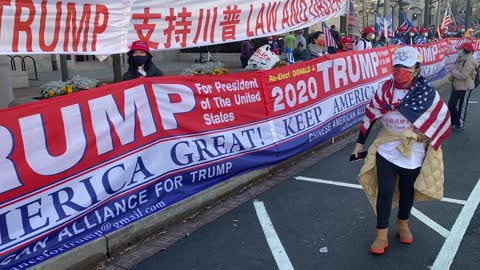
point(407, 56)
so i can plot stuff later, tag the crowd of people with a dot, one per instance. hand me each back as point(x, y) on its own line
point(295, 46)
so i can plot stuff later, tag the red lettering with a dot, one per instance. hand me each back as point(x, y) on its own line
point(212, 28)
point(231, 17)
point(19, 26)
point(304, 8)
point(295, 12)
point(272, 16)
point(250, 32)
point(312, 9)
point(100, 11)
point(286, 16)
point(146, 25)
point(180, 27)
point(43, 45)
point(2, 3)
point(259, 26)
point(72, 22)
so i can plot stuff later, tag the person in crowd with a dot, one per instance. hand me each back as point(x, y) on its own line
point(301, 53)
point(273, 45)
point(462, 77)
point(317, 44)
point(399, 37)
point(346, 44)
point(140, 62)
point(383, 41)
point(432, 33)
point(335, 34)
point(246, 51)
point(289, 42)
point(299, 38)
point(423, 38)
point(410, 36)
point(406, 150)
point(365, 42)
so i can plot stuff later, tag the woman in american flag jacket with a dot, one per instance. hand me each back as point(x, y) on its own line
point(405, 162)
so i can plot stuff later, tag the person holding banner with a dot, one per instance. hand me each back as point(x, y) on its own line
point(346, 44)
point(462, 77)
point(399, 163)
point(140, 62)
point(301, 54)
point(365, 42)
point(399, 37)
point(423, 38)
point(411, 36)
point(317, 44)
point(383, 40)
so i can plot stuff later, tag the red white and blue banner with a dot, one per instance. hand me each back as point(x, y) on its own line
point(76, 169)
point(434, 59)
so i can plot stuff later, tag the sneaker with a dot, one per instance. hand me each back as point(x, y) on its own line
point(459, 127)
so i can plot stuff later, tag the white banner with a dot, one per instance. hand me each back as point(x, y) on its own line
point(79, 27)
point(109, 26)
point(194, 23)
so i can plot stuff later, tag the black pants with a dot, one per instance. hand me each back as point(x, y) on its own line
point(386, 172)
point(457, 105)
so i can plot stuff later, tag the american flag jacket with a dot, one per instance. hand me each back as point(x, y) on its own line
point(422, 106)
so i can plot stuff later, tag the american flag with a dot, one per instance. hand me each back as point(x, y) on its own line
point(422, 106)
point(448, 18)
point(330, 41)
point(352, 21)
point(404, 21)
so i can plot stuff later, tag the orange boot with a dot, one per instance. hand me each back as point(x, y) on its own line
point(381, 242)
point(404, 232)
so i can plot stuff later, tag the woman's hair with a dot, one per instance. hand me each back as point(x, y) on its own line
point(133, 67)
point(467, 51)
point(417, 65)
point(314, 36)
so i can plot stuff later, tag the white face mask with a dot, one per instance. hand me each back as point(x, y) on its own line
point(412, 34)
point(425, 34)
point(270, 42)
point(373, 37)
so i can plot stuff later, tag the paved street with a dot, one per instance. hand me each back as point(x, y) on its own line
point(311, 223)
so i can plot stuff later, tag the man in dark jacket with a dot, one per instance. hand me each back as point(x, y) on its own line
point(140, 62)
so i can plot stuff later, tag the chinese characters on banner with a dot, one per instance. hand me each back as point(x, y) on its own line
point(194, 24)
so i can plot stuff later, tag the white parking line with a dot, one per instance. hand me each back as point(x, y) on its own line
point(430, 223)
point(343, 184)
point(450, 247)
point(281, 257)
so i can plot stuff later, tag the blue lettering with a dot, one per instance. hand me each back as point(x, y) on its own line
point(26, 216)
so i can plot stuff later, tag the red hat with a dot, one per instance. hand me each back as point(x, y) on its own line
point(368, 30)
point(346, 40)
point(413, 30)
point(270, 38)
point(423, 30)
point(402, 29)
point(467, 46)
point(139, 45)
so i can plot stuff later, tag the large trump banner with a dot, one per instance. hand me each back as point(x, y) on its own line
point(76, 169)
point(109, 26)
